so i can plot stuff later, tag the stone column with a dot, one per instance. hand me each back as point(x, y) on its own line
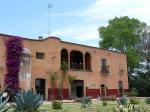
point(69, 60)
point(83, 61)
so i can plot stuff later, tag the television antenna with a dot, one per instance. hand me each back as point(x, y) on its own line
point(49, 13)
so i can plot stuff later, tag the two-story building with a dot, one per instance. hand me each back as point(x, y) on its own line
point(99, 72)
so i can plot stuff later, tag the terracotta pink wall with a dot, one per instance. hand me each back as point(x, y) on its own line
point(2, 61)
point(52, 48)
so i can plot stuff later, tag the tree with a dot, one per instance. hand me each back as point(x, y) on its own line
point(141, 84)
point(122, 35)
point(144, 50)
point(71, 78)
point(132, 60)
point(64, 68)
point(53, 78)
point(141, 81)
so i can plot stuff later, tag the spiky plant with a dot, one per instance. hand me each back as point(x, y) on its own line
point(64, 68)
point(85, 101)
point(147, 100)
point(3, 107)
point(71, 78)
point(123, 100)
point(28, 101)
point(53, 78)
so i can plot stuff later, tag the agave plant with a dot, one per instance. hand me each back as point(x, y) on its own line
point(147, 100)
point(3, 107)
point(28, 101)
point(85, 101)
point(123, 100)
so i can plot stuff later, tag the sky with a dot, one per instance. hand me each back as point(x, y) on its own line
point(74, 21)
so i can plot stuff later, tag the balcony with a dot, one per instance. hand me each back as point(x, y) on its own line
point(105, 69)
point(76, 60)
point(76, 66)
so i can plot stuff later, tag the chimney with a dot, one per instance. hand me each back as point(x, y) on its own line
point(40, 38)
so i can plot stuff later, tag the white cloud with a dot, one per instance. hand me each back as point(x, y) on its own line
point(107, 9)
point(79, 32)
point(99, 13)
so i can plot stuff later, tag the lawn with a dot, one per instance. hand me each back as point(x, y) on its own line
point(95, 107)
point(76, 107)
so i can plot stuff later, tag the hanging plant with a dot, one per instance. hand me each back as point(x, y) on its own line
point(14, 49)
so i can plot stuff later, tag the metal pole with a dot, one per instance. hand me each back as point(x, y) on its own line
point(49, 11)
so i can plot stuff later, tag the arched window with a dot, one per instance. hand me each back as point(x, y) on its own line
point(76, 60)
point(25, 65)
point(87, 61)
point(64, 56)
point(40, 86)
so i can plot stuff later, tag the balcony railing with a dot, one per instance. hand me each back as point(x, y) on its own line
point(76, 66)
point(105, 69)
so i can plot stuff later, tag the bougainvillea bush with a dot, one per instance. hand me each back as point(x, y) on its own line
point(14, 49)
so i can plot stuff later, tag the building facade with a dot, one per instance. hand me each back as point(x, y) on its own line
point(99, 72)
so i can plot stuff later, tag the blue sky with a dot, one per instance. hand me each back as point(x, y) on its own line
point(71, 20)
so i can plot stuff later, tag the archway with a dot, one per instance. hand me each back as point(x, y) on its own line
point(87, 61)
point(103, 90)
point(64, 56)
point(40, 86)
point(76, 60)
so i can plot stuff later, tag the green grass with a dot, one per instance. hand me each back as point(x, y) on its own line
point(76, 107)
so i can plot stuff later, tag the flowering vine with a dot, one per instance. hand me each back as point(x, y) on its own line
point(14, 49)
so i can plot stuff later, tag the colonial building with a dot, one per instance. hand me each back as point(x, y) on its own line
point(99, 72)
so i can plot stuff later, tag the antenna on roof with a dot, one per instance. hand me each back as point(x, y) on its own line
point(49, 11)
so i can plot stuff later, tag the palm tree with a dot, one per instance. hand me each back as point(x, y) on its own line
point(71, 78)
point(53, 78)
point(64, 68)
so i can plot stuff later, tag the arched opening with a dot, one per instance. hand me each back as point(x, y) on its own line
point(40, 86)
point(103, 90)
point(76, 60)
point(87, 61)
point(25, 69)
point(121, 90)
point(64, 56)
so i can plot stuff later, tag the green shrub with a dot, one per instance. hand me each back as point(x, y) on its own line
point(134, 100)
point(28, 101)
point(147, 100)
point(104, 103)
point(56, 104)
point(104, 100)
point(85, 101)
point(109, 98)
point(122, 100)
